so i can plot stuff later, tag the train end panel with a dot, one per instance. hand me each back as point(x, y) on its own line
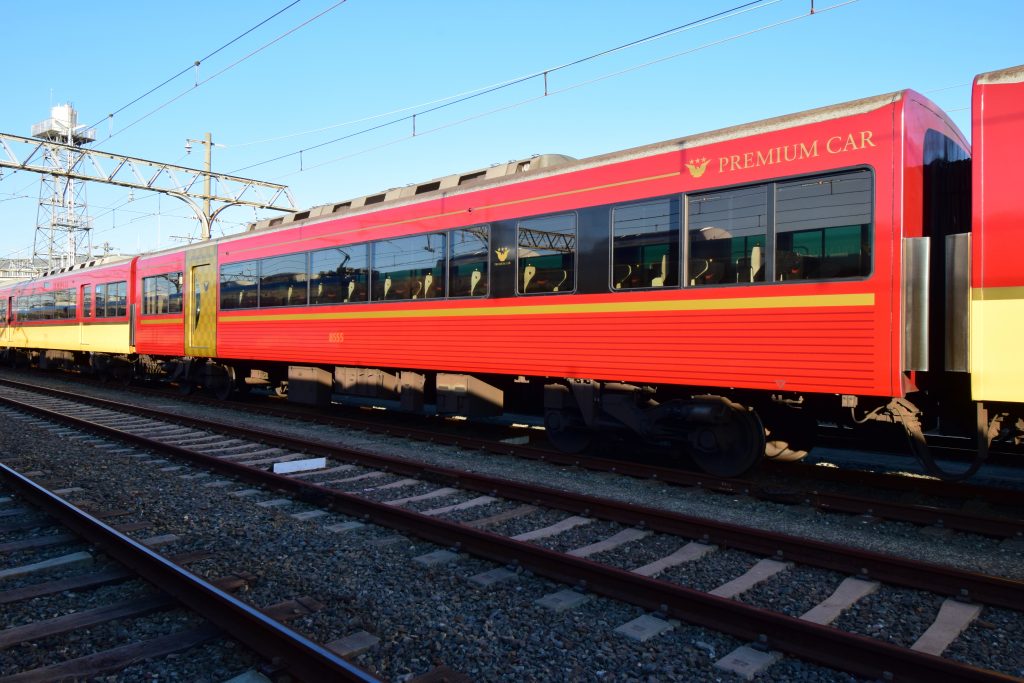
point(997, 278)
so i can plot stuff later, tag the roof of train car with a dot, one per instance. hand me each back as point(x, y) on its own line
point(1014, 74)
point(553, 164)
point(99, 262)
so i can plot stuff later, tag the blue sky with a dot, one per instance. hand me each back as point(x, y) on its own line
point(364, 58)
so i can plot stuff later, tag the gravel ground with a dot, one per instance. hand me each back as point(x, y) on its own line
point(794, 591)
point(897, 615)
point(425, 616)
point(996, 634)
point(712, 570)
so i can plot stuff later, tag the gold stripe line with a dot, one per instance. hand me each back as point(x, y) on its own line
point(461, 211)
point(782, 302)
point(997, 293)
point(158, 321)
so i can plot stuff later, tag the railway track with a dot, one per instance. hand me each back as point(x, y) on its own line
point(204, 612)
point(990, 511)
point(485, 517)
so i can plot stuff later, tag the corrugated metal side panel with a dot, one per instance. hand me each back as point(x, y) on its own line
point(819, 350)
point(160, 336)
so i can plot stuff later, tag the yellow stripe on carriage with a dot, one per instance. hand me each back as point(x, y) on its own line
point(360, 312)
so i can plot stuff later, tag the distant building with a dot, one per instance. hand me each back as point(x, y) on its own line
point(12, 270)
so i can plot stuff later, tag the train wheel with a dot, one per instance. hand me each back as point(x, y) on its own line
point(729, 448)
point(565, 434)
point(221, 381)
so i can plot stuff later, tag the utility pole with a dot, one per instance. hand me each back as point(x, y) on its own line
point(206, 142)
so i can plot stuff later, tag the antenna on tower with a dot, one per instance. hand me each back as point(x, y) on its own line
point(63, 227)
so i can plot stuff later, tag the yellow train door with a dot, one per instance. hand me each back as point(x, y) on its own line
point(201, 302)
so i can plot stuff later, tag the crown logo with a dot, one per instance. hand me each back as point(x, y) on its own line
point(697, 167)
point(501, 253)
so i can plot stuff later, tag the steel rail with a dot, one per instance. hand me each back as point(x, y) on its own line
point(995, 591)
point(858, 654)
point(277, 643)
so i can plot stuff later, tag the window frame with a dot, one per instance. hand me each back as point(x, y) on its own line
point(220, 285)
point(366, 268)
point(181, 293)
point(680, 222)
point(376, 273)
point(259, 278)
point(486, 260)
point(771, 234)
point(575, 254)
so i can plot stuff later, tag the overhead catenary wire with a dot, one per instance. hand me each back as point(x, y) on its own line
point(543, 73)
point(550, 93)
point(206, 80)
point(196, 63)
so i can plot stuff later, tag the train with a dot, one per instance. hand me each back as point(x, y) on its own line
point(719, 295)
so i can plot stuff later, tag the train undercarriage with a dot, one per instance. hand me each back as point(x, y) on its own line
point(724, 433)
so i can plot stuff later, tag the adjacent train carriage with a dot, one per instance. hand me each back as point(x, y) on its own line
point(718, 293)
point(997, 275)
point(79, 316)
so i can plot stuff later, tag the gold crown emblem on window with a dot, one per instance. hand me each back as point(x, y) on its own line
point(697, 167)
point(501, 253)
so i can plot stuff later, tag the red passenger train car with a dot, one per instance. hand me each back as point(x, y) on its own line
point(718, 294)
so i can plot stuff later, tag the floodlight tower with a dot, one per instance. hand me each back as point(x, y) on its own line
point(63, 227)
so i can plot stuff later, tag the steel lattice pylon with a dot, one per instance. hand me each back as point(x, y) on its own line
point(63, 234)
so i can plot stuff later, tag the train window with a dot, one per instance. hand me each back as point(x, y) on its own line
point(239, 285)
point(25, 306)
point(46, 305)
point(112, 300)
point(86, 301)
point(727, 233)
point(65, 304)
point(823, 227)
point(547, 254)
point(645, 245)
point(101, 297)
point(283, 281)
point(409, 268)
point(3, 310)
point(161, 294)
point(339, 275)
point(467, 261)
